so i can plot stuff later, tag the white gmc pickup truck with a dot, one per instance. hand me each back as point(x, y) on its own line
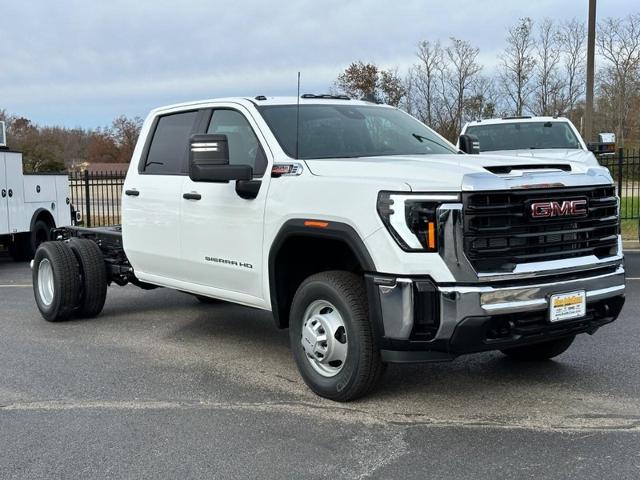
point(368, 235)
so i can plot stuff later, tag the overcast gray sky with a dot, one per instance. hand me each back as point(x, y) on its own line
point(83, 62)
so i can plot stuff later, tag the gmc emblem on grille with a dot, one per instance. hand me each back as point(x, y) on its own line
point(566, 208)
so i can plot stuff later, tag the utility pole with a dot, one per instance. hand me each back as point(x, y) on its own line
point(591, 50)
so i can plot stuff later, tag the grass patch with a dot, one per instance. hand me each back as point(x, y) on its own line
point(629, 229)
point(629, 207)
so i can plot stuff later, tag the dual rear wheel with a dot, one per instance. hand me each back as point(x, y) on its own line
point(69, 279)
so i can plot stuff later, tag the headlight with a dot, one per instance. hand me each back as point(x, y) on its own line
point(411, 218)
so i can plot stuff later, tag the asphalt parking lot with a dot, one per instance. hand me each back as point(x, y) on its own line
point(160, 386)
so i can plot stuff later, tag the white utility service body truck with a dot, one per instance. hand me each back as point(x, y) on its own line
point(368, 235)
point(30, 205)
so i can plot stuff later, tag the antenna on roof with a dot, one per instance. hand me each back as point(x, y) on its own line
point(298, 119)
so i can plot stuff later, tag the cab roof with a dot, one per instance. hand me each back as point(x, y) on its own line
point(522, 119)
point(262, 100)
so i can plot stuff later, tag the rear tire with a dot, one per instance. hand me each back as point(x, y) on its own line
point(330, 317)
point(93, 276)
point(56, 281)
point(40, 233)
point(17, 247)
point(540, 351)
point(24, 245)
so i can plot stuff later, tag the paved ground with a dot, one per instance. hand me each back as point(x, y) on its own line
point(160, 386)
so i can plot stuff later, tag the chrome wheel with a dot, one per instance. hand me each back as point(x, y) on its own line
point(45, 282)
point(324, 338)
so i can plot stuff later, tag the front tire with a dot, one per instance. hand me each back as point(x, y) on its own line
point(56, 281)
point(332, 340)
point(540, 351)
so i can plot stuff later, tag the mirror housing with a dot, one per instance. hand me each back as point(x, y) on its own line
point(209, 160)
point(469, 144)
point(605, 146)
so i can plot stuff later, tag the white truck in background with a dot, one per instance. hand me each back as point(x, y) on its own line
point(30, 204)
point(534, 138)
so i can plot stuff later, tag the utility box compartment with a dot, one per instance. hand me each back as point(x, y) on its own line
point(25, 198)
point(40, 188)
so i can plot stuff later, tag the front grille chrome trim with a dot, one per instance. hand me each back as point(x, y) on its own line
point(450, 238)
point(499, 235)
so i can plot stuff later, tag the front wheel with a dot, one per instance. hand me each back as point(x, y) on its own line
point(540, 351)
point(331, 337)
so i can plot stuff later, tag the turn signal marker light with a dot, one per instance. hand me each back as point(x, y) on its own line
point(431, 235)
point(315, 224)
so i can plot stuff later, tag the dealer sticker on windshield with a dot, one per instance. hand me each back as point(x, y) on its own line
point(566, 306)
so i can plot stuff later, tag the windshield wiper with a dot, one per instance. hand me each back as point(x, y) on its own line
point(422, 138)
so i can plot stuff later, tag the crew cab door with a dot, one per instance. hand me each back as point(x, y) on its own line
point(222, 233)
point(152, 198)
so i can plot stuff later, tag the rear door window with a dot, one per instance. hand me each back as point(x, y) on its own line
point(167, 154)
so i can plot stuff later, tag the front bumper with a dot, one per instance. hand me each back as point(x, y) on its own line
point(418, 320)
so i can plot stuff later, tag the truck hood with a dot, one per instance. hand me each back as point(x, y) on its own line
point(461, 172)
point(573, 155)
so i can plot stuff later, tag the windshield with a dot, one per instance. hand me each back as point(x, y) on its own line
point(339, 131)
point(524, 135)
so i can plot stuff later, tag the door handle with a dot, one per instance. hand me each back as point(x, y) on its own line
point(10, 193)
point(191, 196)
point(4, 193)
point(132, 193)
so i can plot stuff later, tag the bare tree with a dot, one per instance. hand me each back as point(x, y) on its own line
point(483, 99)
point(573, 36)
point(125, 132)
point(518, 64)
point(548, 84)
point(618, 42)
point(425, 74)
point(463, 72)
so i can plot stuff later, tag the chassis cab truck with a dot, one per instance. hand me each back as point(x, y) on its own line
point(366, 234)
point(30, 206)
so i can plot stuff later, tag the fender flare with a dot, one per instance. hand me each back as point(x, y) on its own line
point(296, 228)
point(37, 213)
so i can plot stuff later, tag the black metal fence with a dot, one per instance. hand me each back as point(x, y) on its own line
point(625, 170)
point(96, 195)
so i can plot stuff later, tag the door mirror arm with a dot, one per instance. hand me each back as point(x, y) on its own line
point(248, 189)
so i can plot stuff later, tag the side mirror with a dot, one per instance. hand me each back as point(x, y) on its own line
point(469, 144)
point(209, 160)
